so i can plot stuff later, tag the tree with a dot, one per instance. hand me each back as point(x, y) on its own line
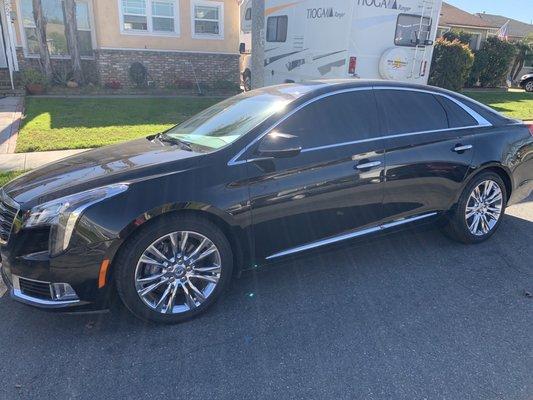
point(524, 52)
point(44, 52)
point(71, 32)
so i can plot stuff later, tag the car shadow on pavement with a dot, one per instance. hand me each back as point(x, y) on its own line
point(408, 315)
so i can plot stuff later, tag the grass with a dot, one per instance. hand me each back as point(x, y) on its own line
point(57, 124)
point(513, 104)
point(5, 177)
point(62, 123)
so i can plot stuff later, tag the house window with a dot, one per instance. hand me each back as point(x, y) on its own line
point(207, 19)
point(55, 27)
point(149, 16)
point(412, 31)
point(277, 29)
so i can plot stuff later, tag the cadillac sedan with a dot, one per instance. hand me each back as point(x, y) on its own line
point(164, 222)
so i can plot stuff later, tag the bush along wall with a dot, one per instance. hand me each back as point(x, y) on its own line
point(492, 63)
point(451, 65)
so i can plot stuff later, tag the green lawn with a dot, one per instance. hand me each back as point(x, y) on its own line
point(56, 124)
point(5, 177)
point(513, 104)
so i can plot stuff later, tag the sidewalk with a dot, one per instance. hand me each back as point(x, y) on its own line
point(10, 116)
point(27, 161)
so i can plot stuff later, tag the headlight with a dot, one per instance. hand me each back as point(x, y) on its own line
point(63, 213)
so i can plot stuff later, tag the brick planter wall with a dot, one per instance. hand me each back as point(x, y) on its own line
point(165, 68)
point(58, 64)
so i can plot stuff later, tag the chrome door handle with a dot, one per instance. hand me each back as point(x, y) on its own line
point(368, 165)
point(460, 148)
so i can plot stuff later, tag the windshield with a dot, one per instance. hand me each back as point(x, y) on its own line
point(228, 120)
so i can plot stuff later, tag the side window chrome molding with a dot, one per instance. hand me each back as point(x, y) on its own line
point(482, 122)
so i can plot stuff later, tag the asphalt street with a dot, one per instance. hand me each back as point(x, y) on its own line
point(407, 316)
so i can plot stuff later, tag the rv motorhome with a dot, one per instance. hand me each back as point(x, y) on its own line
point(323, 39)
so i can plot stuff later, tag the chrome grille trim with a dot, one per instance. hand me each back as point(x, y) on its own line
point(8, 212)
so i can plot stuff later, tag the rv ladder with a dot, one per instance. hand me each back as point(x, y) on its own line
point(427, 7)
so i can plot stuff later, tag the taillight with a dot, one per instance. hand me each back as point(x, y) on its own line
point(530, 127)
point(352, 65)
point(423, 67)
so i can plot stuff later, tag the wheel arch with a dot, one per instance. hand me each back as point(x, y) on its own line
point(234, 233)
point(498, 169)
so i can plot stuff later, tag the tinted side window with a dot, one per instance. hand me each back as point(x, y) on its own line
point(408, 112)
point(457, 117)
point(339, 118)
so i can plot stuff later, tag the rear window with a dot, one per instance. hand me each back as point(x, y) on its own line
point(489, 114)
point(457, 116)
point(408, 112)
point(412, 30)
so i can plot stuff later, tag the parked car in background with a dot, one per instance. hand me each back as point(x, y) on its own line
point(166, 221)
point(526, 82)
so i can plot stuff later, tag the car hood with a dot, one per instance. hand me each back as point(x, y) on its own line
point(128, 161)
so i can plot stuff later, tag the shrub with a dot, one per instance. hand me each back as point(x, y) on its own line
point(492, 63)
point(138, 74)
point(115, 85)
point(62, 76)
point(451, 65)
point(33, 77)
point(462, 36)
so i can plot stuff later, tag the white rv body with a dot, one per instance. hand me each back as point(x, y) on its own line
point(329, 39)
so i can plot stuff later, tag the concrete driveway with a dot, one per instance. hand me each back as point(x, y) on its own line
point(409, 316)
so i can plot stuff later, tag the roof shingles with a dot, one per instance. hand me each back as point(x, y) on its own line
point(454, 16)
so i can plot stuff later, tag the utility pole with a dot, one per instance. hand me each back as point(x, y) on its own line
point(258, 44)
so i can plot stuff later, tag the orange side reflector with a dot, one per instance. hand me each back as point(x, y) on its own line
point(103, 273)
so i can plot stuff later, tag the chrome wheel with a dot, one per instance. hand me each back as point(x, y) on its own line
point(484, 208)
point(178, 272)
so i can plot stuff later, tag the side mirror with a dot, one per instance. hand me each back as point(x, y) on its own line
point(242, 48)
point(279, 145)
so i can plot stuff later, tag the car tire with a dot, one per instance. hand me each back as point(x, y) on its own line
point(166, 234)
point(488, 212)
point(528, 86)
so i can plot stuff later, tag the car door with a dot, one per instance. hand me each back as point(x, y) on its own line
point(429, 153)
point(333, 186)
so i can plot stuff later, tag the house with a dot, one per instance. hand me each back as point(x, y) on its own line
point(518, 30)
point(176, 40)
point(455, 19)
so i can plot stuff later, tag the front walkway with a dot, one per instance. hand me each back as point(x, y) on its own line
point(27, 161)
point(10, 117)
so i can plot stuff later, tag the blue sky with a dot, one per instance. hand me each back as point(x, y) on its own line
point(521, 10)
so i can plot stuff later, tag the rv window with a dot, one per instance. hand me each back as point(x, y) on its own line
point(340, 118)
point(412, 31)
point(277, 28)
point(248, 14)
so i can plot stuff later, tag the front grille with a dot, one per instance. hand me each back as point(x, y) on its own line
point(37, 289)
point(8, 212)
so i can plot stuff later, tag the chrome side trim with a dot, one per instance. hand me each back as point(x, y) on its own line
point(350, 235)
point(482, 122)
point(18, 295)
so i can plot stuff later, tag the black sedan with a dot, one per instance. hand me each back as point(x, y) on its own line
point(166, 221)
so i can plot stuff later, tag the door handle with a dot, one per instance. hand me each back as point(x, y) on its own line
point(368, 165)
point(460, 148)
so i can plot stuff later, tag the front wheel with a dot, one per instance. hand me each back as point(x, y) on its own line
point(479, 210)
point(529, 86)
point(174, 269)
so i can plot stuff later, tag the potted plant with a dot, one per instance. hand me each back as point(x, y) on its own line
point(34, 81)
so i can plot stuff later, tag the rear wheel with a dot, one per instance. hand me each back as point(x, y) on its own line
point(174, 269)
point(479, 210)
point(529, 86)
